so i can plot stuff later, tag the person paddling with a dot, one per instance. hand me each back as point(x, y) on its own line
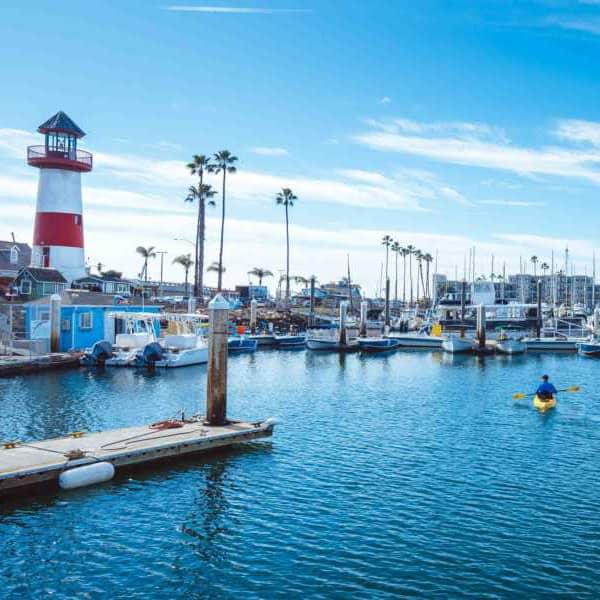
point(546, 390)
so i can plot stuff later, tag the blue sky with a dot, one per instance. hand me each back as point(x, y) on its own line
point(446, 124)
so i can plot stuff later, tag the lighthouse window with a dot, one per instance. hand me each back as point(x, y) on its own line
point(77, 219)
point(14, 255)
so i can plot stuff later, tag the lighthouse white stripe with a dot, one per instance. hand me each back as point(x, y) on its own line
point(59, 191)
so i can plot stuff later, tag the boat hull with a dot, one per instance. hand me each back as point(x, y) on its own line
point(241, 345)
point(544, 405)
point(551, 344)
point(321, 345)
point(418, 341)
point(377, 344)
point(290, 341)
point(511, 347)
point(456, 345)
point(591, 350)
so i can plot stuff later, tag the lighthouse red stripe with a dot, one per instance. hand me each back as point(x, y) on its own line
point(58, 229)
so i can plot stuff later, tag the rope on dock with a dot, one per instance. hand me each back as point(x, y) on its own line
point(138, 438)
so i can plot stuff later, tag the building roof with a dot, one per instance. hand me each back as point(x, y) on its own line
point(43, 274)
point(63, 123)
point(86, 298)
point(103, 278)
point(23, 260)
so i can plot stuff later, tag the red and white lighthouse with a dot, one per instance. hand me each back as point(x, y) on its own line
point(58, 231)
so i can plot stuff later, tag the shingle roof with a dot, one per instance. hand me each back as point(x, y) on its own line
point(23, 260)
point(85, 298)
point(43, 274)
point(61, 122)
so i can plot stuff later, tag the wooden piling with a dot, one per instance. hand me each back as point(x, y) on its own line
point(253, 313)
point(55, 323)
point(364, 308)
point(216, 387)
point(481, 326)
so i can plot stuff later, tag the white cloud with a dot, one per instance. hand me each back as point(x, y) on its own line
point(471, 146)
point(235, 10)
point(267, 151)
point(515, 203)
point(385, 100)
point(576, 130)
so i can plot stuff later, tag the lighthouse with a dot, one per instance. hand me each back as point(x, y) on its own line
point(58, 230)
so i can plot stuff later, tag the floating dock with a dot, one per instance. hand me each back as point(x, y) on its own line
point(17, 365)
point(28, 465)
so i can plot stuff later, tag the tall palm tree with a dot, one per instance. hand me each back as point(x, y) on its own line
point(404, 253)
point(411, 250)
point(419, 259)
point(224, 163)
point(145, 253)
point(387, 242)
point(395, 247)
point(534, 262)
point(199, 166)
point(544, 267)
point(185, 260)
point(428, 260)
point(287, 198)
point(260, 274)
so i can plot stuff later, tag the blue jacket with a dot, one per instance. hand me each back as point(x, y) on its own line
point(546, 389)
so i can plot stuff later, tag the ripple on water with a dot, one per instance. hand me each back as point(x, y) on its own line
point(411, 474)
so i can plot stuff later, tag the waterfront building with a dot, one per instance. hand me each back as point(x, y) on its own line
point(246, 293)
point(13, 257)
point(32, 283)
point(58, 230)
point(84, 318)
point(105, 285)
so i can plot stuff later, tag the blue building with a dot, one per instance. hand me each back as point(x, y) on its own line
point(84, 317)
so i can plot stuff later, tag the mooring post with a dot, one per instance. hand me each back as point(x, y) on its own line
point(55, 323)
point(481, 325)
point(343, 340)
point(364, 307)
point(216, 385)
point(538, 320)
point(312, 302)
point(253, 310)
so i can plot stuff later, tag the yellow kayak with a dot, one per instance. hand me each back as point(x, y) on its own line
point(543, 405)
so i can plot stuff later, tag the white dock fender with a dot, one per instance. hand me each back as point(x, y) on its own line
point(86, 475)
point(271, 422)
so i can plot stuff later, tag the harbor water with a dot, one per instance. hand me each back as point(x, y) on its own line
point(411, 474)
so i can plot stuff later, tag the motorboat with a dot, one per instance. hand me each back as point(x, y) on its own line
point(553, 344)
point(417, 340)
point(241, 344)
point(377, 344)
point(290, 341)
point(506, 344)
point(329, 341)
point(262, 339)
point(179, 350)
point(457, 344)
point(590, 348)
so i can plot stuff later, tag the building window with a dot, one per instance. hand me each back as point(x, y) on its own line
point(14, 255)
point(85, 320)
point(26, 287)
point(65, 325)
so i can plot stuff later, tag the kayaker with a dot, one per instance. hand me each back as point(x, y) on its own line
point(546, 390)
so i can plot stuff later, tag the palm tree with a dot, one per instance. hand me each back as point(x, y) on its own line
point(199, 166)
point(534, 261)
point(419, 259)
point(387, 242)
point(404, 252)
point(215, 267)
point(544, 267)
point(185, 260)
point(411, 250)
point(260, 273)
point(145, 253)
point(396, 249)
point(286, 198)
point(224, 163)
point(428, 260)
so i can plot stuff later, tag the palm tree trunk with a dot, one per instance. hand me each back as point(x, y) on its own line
point(411, 278)
point(403, 279)
point(418, 271)
point(260, 282)
point(287, 262)
point(200, 258)
point(186, 283)
point(146, 269)
point(387, 252)
point(427, 295)
point(396, 281)
point(220, 278)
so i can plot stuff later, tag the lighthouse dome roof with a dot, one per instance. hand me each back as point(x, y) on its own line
point(63, 123)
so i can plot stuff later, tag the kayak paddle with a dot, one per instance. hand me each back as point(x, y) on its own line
point(521, 395)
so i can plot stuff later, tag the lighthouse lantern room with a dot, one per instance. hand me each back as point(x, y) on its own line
point(58, 230)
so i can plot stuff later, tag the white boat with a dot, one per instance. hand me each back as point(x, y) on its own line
point(181, 350)
point(417, 340)
point(455, 344)
point(510, 346)
point(329, 340)
point(290, 341)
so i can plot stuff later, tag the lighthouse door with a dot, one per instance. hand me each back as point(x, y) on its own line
point(45, 256)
